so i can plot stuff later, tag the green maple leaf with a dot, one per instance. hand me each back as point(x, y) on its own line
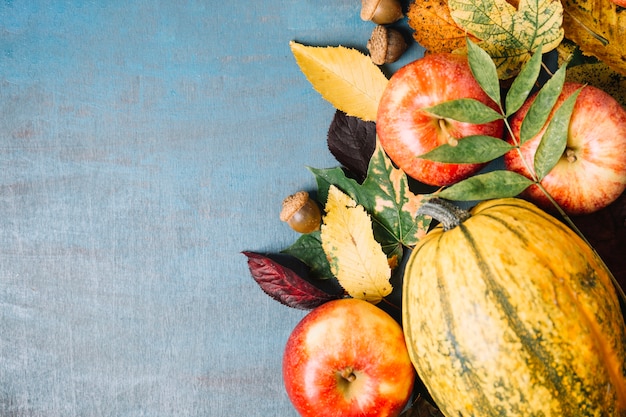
point(386, 196)
point(507, 34)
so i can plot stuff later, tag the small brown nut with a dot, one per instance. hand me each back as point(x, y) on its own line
point(386, 45)
point(381, 12)
point(301, 213)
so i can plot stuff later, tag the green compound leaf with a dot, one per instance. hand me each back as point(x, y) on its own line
point(484, 70)
point(466, 110)
point(523, 84)
point(469, 150)
point(542, 105)
point(554, 140)
point(494, 184)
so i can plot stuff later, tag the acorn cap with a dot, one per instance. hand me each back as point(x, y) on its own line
point(377, 45)
point(292, 204)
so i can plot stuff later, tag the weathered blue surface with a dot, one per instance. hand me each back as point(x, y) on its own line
point(143, 145)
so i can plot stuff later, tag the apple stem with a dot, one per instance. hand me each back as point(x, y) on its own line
point(443, 125)
point(570, 154)
point(347, 373)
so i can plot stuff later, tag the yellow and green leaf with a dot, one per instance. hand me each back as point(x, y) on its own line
point(386, 196)
point(510, 35)
point(356, 258)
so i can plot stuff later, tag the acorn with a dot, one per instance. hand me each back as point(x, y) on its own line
point(381, 12)
point(386, 45)
point(301, 213)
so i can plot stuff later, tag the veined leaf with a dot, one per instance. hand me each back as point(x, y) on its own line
point(469, 150)
point(554, 140)
point(433, 27)
point(494, 184)
point(345, 77)
point(523, 84)
point(540, 109)
point(355, 257)
point(484, 70)
point(386, 196)
point(308, 249)
point(510, 35)
point(466, 110)
point(327, 177)
point(285, 285)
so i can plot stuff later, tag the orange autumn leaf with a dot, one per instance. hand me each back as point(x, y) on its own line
point(433, 26)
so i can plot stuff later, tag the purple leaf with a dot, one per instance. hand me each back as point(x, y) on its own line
point(352, 142)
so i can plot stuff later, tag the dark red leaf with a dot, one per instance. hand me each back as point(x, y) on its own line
point(352, 142)
point(284, 285)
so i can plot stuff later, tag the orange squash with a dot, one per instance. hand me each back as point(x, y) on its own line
point(507, 312)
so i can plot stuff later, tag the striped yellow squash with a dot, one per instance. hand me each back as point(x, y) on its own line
point(507, 312)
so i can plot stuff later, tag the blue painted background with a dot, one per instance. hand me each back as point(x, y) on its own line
point(143, 145)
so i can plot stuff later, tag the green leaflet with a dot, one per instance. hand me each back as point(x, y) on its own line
point(554, 140)
point(470, 150)
point(541, 106)
point(494, 184)
point(523, 84)
point(484, 70)
point(466, 110)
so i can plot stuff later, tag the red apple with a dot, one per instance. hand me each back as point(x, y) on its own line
point(406, 131)
point(348, 358)
point(621, 3)
point(591, 173)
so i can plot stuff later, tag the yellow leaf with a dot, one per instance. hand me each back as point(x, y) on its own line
point(356, 258)
point(509, 34)
point(599, 29)
point(345, 77)
point(600, 75)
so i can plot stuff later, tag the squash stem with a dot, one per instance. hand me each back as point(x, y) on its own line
point(446, 213)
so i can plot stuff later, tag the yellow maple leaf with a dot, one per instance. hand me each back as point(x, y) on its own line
point(509, 34)
point(599, 29)
point(355, 257)
point(345, 77)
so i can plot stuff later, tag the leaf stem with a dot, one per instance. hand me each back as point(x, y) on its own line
point(390, 304)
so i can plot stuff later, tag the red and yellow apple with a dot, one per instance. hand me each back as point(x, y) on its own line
point(406, 130)
point(347, 358)
point(591, 173)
